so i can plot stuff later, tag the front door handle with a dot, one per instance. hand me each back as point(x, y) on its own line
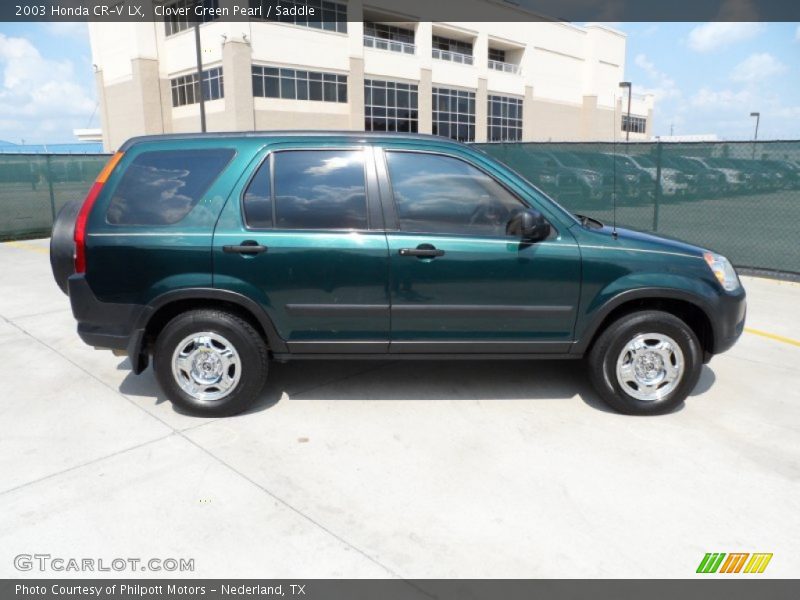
point(422, 251)
point(246, 247)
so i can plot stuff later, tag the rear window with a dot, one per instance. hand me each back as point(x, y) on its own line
point(162, 187)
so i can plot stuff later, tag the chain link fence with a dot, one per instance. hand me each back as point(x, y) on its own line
point(741, 199)
point(34, 187)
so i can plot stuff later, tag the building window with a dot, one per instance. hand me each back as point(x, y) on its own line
point(390, 106)
point(330, 16)
point(389, 37)
point(454, 114)
point(182, 15)
point(634, 124)
point(452, 50)
point(497, 55)
point(505, 119)
point(186, 91)
point(293, 84)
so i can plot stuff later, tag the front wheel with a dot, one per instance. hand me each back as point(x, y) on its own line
point(646, 363)
point(210, 362)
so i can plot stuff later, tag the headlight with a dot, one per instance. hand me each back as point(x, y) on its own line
point(723, 270)
point(631, 178)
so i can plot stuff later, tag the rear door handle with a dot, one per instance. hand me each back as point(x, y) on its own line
point(422, 251)
point(246, 247)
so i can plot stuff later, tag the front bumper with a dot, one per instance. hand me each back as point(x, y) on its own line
point(109, 325)
point(728, 320)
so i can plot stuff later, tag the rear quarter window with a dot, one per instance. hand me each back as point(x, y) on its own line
point(162, 187)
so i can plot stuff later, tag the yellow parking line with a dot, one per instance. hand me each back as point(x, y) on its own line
point(773, 336)
point(29, 247)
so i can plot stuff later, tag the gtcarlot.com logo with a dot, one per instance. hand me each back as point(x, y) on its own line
point(735, 562)
point(47, 562)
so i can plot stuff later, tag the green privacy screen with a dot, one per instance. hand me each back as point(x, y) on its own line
point(34, 187)
point(737, 198)
point(740, 199)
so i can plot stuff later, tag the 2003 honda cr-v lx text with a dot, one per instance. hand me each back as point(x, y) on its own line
point(216, 253)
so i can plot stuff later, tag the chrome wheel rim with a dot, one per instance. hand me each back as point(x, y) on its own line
point(650, 366)
point(206, 366)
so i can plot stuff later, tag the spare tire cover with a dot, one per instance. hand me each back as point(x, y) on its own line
point(62, 243)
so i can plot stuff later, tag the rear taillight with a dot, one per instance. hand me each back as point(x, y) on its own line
point(86, 208)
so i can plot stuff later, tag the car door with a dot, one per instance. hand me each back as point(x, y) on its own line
point(458, 283)
point(302, 237)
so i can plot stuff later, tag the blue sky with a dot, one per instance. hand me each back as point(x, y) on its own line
point(707, 78)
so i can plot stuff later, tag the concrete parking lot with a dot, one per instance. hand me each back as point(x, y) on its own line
point(402, 469)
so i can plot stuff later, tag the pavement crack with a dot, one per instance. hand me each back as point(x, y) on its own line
point(85, 464)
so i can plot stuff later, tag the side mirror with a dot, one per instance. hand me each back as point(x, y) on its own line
point(529, 225)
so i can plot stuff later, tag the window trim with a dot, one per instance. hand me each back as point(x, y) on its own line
point(124, 169)
point(270, 156)
point(388, 196)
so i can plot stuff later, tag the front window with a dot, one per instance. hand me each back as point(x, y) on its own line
point(442, 194)
point(454, 114)
point(390, 106)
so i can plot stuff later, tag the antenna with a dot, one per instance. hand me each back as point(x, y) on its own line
point(614, 233)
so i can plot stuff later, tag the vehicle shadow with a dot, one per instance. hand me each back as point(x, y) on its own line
point(417, 380)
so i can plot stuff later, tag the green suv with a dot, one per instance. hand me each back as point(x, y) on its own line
point(217, 253)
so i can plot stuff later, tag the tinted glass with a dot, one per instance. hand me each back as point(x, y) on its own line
point(161, 188)
point(320, 189)
point(439, 194)
point(258, 199)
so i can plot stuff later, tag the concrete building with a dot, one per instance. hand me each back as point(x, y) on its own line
point(380, 70)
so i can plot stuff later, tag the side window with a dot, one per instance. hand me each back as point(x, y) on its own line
point(162, 187)
point(258, 199)
point(320, 189)
point(440, 194)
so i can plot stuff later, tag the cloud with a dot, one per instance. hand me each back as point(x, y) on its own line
point(713, 36)
point(662, 85)
point(757, 67)
point(67, 29)
point(706, 98)
point(40, 98)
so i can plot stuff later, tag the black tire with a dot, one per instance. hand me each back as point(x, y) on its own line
point(62, 243)
point(607, 348)
point(247, 343)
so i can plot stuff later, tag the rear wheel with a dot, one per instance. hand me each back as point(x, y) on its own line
point(646, 363)
point(210, 362)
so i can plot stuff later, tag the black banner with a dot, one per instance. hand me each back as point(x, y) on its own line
point(405, 10)
point(397, 589)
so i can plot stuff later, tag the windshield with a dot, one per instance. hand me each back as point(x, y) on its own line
point(645, 162)
point(569, 160)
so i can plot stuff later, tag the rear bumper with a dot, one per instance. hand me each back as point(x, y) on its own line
point(108, 325)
